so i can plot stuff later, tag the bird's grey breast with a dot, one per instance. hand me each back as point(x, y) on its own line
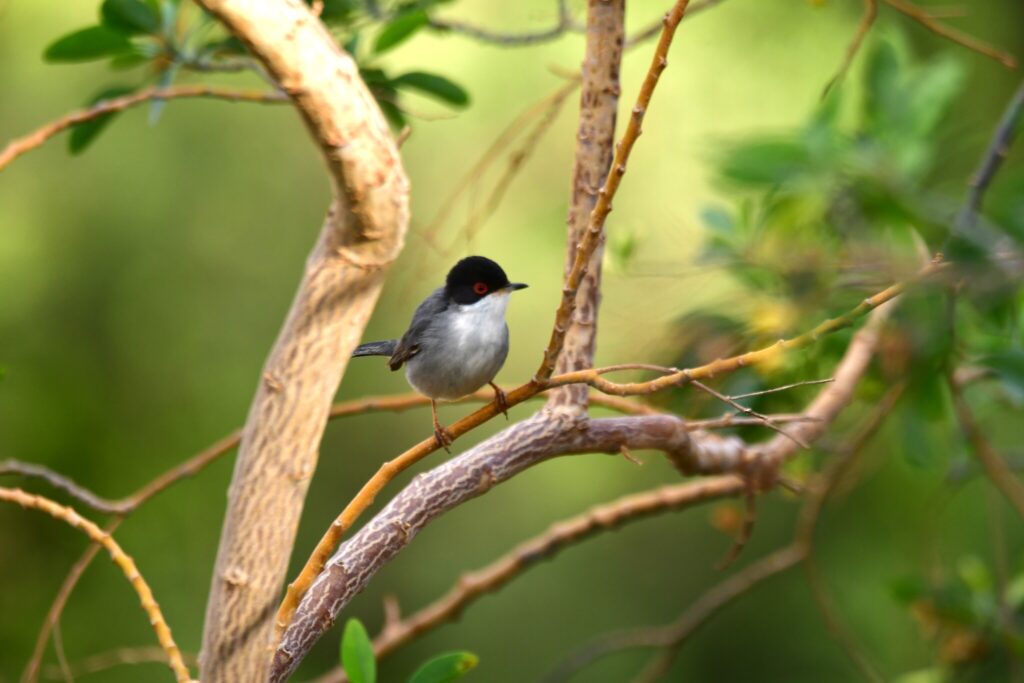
point(461, 349)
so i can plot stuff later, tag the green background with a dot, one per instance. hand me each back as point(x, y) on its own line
point(142, 285)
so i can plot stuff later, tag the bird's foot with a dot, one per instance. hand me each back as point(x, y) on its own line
point(500, 399)
point(443, 437)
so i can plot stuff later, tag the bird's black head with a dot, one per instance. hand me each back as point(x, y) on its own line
point(475, 277)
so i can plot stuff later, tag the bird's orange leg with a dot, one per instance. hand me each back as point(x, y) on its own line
point(444, 438)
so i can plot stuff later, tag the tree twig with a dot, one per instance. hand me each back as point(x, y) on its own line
point(867, 20)
point(31, 671)
point(15, 148)
point(998, 472)
point(970, 42)
point(996, 152)
point(123, 562)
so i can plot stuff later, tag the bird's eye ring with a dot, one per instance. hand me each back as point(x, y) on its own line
point(480, 288)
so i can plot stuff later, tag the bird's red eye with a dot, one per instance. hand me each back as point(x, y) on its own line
point(480, 288)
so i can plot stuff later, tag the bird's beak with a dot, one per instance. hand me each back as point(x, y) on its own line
point(513, 286)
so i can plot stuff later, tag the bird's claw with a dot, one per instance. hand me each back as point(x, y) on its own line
point(443, 437)
point(500, 399)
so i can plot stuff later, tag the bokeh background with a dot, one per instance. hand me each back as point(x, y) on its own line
point(143, 282)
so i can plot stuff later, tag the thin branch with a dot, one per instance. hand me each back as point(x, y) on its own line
point(122, 560)
point(15, 148)
point(666, 636)
point(995, 154)
point(785, 387)
point(971, 43)
point(652, 29)
point(361, 406)
point(764, 419)
point(867, 20)
point(31, 672)
point(122, 656)
point(998, 472)
point(564, 25)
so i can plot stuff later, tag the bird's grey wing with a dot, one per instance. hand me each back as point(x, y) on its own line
point(412, 341)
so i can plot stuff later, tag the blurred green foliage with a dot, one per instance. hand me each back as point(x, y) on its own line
point(141, 285)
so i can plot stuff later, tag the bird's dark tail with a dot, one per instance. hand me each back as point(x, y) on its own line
point(378, 348)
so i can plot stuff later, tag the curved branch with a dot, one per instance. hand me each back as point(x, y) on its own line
point(122, 560)
point(465, 477)
point(606, 517)
point(970, 42)
point(363, 233)
point(15, 148)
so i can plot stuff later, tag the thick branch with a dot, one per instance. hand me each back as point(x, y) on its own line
point(123, 562)
point(15, 148)
point(465, 477)
point(362, 234)
point(595, 138)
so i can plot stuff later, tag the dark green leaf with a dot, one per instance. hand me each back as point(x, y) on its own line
point(765, 162)
point(434, 85)
point(357, 654)
point(130, 16)
point(445, 668)
point(1009, 365)
point(95, 42)
point(400, 30)
point(82, 134)
point(394, 115)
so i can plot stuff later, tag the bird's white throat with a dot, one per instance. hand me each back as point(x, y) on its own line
point(480, 322)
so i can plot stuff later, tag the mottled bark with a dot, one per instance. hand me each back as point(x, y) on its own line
point(361, 236)
point(467, 476)
point(595, 146)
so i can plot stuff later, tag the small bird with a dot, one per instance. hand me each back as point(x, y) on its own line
point(457, 340)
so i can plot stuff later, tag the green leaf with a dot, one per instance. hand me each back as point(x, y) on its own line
point(130, 16)
point(394, 115)
point(357, 654)
point(1009, 366)
point(445, 668)
point(82, 134)
point(765, 162)
point(95, 42)
point(400, 30)
point(435, 86)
